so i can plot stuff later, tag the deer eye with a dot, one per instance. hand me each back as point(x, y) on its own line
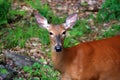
point(50, 33)
point(64, 32)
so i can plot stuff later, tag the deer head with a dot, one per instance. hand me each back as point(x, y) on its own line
point(57, 32)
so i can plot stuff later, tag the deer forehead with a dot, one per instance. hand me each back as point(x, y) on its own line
point(56, 29)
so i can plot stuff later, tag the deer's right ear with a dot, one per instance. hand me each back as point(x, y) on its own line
point(41, 20)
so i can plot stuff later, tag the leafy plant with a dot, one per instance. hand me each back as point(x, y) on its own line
point(44, 72)
point(110, 10)
point(4, 9)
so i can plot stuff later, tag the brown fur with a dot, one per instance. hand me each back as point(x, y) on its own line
point(95, 60)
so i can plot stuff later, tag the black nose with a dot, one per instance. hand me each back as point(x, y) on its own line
point(58, 48)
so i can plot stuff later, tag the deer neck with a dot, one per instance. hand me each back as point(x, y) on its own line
point(57, 59)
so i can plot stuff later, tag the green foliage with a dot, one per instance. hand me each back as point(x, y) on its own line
point(110, 10)
point(13, 14)
point(19, 36)
point(19, 78)
point(45, 11)
point(7, 14)
point(115, 29)
point(3, 71)
point(44, 72)
point(4, 9)
point(17, 12)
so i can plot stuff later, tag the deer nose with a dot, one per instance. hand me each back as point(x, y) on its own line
point(58, 48)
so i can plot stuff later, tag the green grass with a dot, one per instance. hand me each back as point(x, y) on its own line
point(4, 10)
point(45, 11)
point(19, 36)
point(110, 10)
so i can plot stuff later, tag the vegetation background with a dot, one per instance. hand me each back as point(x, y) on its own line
point(20, 33)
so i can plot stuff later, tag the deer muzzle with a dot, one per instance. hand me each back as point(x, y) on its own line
point(58, 46)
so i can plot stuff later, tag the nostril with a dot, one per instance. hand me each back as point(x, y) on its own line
point(58, 48)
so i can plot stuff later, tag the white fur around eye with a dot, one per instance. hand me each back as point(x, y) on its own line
point(63, 35)
point(51, 34)
point(64, 32)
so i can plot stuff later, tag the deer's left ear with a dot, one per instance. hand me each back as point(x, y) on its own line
point(70, 21)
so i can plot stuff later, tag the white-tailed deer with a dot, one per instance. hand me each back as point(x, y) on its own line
point(95, 60)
